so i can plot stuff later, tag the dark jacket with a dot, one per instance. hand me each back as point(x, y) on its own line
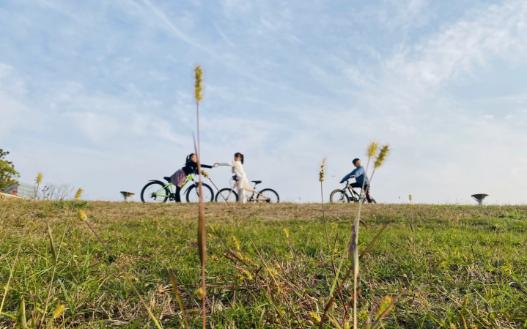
point(192, 168)
point(360, 176)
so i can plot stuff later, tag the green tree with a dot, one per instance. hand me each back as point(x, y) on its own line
point(8, 173)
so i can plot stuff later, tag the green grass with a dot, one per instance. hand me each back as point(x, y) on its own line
point(445, 266)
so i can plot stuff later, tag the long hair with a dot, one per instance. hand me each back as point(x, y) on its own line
point(238, 154)
point(188, 160)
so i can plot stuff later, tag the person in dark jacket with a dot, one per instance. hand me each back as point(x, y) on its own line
point(360, 178)
point(179, 178)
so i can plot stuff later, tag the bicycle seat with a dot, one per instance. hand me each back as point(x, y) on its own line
point(256, 182)
point(167, 179)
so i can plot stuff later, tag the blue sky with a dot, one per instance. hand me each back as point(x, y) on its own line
point(98, 94)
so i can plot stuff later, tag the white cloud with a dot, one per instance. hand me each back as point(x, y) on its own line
point(12, 111)
point(285, 84)
point(459, 49)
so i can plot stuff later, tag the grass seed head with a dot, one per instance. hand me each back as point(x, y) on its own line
point(39, 178)
point(236, 243)
point(198, 82)
point(58, 311)
point(78, 194)
point(322, 172)
point(382, 156)
point(314, 316)
point(246, 275)
point(372, 149)
point(200, 292)
point(82, 215)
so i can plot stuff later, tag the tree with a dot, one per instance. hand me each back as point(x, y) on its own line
point(8, 173)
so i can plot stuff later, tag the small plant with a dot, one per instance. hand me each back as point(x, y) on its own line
point(38, 182)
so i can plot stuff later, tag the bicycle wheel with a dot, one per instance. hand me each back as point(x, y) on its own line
point(193, 195)
point(338, 196)
point(155, 191)
point(226, 195)
point(268, 195)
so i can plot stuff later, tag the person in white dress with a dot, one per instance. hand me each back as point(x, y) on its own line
point(242, 182)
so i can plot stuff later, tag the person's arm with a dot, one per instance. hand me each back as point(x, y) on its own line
point(206, 166)
point(354, 173)
point(345, 178)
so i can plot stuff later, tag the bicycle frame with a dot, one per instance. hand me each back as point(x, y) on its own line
point(254, 193)
point(172, 188)
point(353, 195)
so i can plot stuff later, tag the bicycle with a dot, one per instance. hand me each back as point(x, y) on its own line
point(159, 191)
point(267, 195)
point(348, 194)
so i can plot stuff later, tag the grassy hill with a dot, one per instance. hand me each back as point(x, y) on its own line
point(269, 266)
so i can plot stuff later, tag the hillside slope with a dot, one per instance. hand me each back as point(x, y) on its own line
point(269, 266)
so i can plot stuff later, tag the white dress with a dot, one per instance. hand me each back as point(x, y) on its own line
point(242, 182)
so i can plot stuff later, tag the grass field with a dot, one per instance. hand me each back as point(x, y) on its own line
point(269, 266)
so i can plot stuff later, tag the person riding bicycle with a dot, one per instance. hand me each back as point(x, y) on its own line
point(360, 179)
point(179, 178)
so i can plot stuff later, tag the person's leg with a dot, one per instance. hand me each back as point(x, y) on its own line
point(242, 198)
point(178, 194)
point(367, 192)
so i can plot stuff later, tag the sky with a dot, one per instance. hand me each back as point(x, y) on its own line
point(99, 94)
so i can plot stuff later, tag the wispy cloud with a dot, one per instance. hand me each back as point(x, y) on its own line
point(173, 28)
point(109, 86)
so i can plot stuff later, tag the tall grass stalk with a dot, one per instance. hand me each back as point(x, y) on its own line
point(151, 314)
point(21, 316)
point(321, 179)
point(84, 218)
point(179, 298)
point(202, 234)
point(354, 245)
point(8, 283)
point(55, 253)
point(353, 251)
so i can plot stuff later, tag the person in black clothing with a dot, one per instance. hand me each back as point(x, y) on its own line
point(179, 178)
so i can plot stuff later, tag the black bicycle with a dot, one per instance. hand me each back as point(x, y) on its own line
point(267, 195)
point(348, 194)
point(159, 191)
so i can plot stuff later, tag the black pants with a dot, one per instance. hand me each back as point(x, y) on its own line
point(178, 194)
point(366, 190)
